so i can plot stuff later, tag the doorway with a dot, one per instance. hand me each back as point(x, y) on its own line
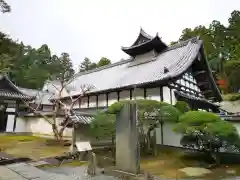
point(3, 117)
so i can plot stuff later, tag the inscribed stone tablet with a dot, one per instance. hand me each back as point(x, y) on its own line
point(83, 146)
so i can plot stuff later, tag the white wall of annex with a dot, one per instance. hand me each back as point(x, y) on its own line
point(93, 101)
point(166, 94)
point(84, 102)
point(47, 108)
point(102, 100)
point(112, 98)
point(153, 94)
point(138, 93)
point(10, 118)
point(39, 126)
point(125, 95)
point(170, 137)
point(174, 100)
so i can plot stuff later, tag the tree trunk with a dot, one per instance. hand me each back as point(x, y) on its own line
point(55, 132)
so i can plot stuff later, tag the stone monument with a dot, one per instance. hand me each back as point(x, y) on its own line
point(127, 141)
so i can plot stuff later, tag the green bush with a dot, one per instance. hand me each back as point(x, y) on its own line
point(148, 108)
point(103, 125)
point(206, 131)
point(182, 106)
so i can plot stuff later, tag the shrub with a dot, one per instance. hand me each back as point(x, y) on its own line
point(206, 131)
point(182, 106)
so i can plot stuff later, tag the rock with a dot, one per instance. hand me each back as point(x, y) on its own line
point(195, 171)
point(230, 171)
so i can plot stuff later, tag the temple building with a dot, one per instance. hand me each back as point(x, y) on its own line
point(153, 70)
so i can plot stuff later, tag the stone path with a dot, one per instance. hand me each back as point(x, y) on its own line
point(23, 171)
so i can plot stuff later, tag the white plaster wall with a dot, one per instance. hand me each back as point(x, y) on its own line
point(102, 100)
point(139, 93)
point(124, 95)
point(11, 117)
point(92, 101)
point(76, 105)
point(84, 102)
point(170, 137)
point(47, 108)
point(21, 125)
point(166, 95)
point(143, 57)
point(174, 100)
point(10, 123)
point(153, 94)
point(112, 98)
point(38, 125)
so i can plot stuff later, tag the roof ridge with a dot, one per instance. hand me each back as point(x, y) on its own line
point(181, 43)
point(103, 67)
point(169, 48)
point(15, 86)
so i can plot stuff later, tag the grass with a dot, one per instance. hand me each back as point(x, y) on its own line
point(29, 146)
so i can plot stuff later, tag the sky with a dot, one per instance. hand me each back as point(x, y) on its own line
point(99, 28)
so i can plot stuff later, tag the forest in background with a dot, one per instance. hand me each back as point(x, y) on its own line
point(30, 67)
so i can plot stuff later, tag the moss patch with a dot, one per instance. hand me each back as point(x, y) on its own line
point(168, 163)
point(68, 164)
point(231, 97)
point(29, 146)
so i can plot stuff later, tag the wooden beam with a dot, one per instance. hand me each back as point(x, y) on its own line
point(198, 73)
point(145, 93)
point(131, 93)
point(202, 83)
point(161, 93)
point(107, 99)
point(97, 101)
point(118, 95)
point(207, 92)
point(88, 99)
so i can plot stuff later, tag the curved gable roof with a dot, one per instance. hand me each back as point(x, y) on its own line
point(176, 59)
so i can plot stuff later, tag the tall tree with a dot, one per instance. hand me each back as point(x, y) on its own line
point(233, 34)
point(87, 65)
point(66, 66)
point(4, 7)
point(103, 62)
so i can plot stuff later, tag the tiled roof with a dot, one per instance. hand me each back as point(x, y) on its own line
point(14, 92)
point(82, 118)
point(195, 98)
point(41, 96)
point(176, 59)
point(14, 95)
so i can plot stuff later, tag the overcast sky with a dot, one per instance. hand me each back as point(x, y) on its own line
point(96, 28)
